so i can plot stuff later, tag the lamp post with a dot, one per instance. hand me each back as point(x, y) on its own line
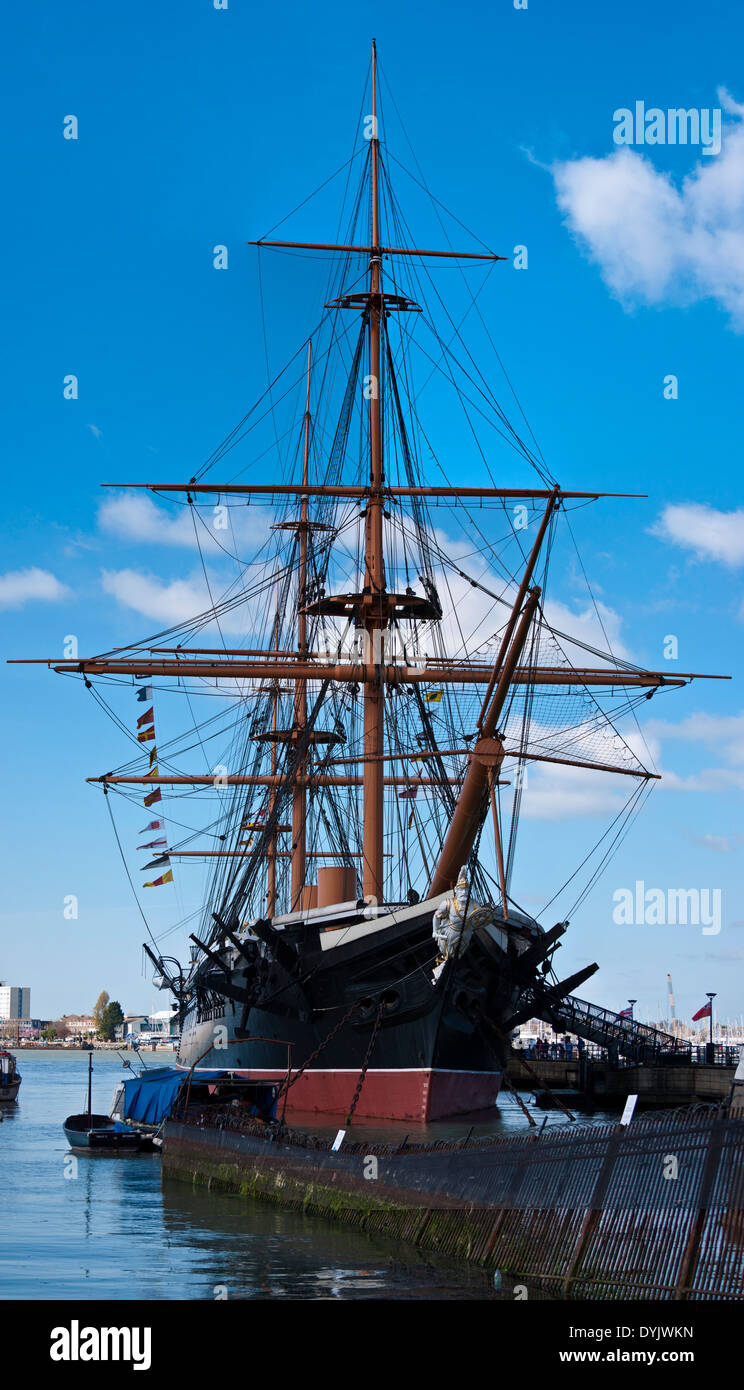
point(632, 1002)
point(711, 996)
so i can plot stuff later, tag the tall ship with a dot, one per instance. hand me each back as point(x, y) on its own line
point(363, 703)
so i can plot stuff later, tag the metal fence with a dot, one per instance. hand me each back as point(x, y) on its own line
point(693, 1054)
point(651, 1211)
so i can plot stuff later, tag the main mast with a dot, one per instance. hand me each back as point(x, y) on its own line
point(375, 611)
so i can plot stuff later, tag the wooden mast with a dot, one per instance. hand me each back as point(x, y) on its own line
point(376, 619)
point(299, 794)
point(374, 610)
point(271, 853)
point(488, 753)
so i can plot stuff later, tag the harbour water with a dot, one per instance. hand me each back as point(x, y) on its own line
point(80, 1227)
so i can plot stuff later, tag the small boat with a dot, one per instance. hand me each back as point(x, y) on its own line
point(103, 1134)
point(10, 1077)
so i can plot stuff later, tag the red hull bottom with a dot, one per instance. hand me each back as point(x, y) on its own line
point(420, 1094)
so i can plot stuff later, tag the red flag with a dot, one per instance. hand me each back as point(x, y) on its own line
point(145, 734)
point(152, 797)
point(625, 1013)
point(147, 718)
point(702, 1013)
point(152, 825)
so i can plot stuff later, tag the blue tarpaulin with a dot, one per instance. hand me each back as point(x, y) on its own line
point(150, 1098)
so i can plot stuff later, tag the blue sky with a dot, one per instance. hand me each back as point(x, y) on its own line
point(200, 127)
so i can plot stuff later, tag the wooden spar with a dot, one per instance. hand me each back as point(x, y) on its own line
point(434, 669)
point(247, 853)
point(264, 780)
point(379, 250)
point(374, 561)
point(524, 754)
point(299, 796)
point(467, 817)
point(357, 493)
point(391, 674)
point(221, 651)
point(519, 600)
point(497, 838)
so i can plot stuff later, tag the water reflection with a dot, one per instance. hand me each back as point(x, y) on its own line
point(257, 1250)
point(104, 1227)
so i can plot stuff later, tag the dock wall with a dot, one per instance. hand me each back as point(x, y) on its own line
point(654, 1085)
point(653, 1211)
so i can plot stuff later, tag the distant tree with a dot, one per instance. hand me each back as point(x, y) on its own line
point(60, 1027)
point(49, 1033)
point(99, 1006)
point(111, 1017)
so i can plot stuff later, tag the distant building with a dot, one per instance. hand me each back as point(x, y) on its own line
point(157, 1027)
point(164, 1023)
point(15, 1028)
point(133, 1025)
point(15, 1001)
point(536, 1028)
point(79, 1025)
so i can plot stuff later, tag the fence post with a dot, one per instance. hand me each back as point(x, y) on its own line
point(692, 1248)
point(594, 1210)
point(519, 1173)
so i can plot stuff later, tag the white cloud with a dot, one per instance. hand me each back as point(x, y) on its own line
point(710, 779)
point(135, 517)
point(656, 243)
point(722, 735)
point(590, 626)
point(170, 603)
point(711, 534)
point(569, 793)
point(175, 601)
point(720, 844)
point(24, 586)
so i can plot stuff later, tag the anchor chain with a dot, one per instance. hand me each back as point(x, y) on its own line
point(329, 1037)
point(365, 1063)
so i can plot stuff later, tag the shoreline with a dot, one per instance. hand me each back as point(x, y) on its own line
point(80, 1047)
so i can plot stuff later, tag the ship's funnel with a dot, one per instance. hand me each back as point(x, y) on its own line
point(336, 884)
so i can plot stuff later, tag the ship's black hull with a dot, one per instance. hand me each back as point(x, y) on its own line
point(426, 1038)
